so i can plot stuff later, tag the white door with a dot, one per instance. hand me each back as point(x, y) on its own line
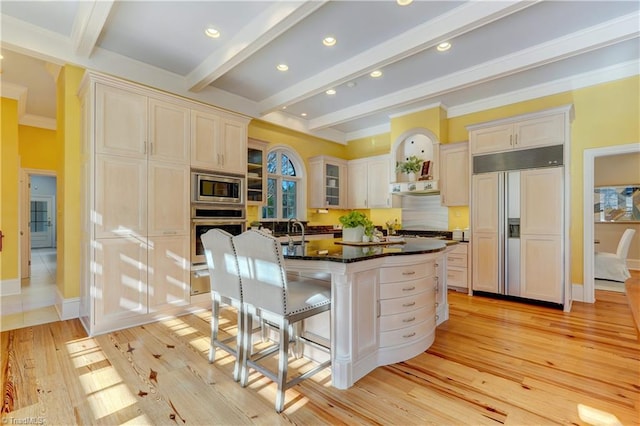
point(41, 221)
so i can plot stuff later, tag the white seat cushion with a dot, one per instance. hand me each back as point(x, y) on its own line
point(306, 294)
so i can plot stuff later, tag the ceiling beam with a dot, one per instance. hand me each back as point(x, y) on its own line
point(254, 36)
point(458, 21)
point(88, 25)
point(608, 33)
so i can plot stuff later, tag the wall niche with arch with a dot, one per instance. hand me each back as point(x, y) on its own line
point(422, 143)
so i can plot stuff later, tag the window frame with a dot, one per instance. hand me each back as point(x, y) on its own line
point(300, 178)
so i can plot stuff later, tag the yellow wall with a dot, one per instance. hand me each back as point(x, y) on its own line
point(68, 141)
point(37, 148)
point(9, 183)
point(369, 146)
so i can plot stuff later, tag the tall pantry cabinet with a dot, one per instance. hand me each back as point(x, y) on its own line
point(136, 154)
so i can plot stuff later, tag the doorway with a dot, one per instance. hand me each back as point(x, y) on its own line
point(38, 227)
point(588, 223)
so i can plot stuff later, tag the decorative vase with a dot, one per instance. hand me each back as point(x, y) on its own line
point(411, 176)
point(353, 234)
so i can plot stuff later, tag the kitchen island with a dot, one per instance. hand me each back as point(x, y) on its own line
point(386, 301)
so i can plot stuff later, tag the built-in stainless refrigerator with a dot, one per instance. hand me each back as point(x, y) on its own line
point(513, 193)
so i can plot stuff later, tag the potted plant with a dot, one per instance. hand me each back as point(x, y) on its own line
point(410, 167)
point(353, 226)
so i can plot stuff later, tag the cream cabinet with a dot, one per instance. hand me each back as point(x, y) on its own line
point(327, 182)
point(218, 142)
point(136, 235)
point(407, 303)
point(546, 128)
point(486, 233)
point(457, 267)
point(368, 183)
point(454, 174)
point(541, 230)
point(256, 172)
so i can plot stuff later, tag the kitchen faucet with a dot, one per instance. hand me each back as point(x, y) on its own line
point(294, 221)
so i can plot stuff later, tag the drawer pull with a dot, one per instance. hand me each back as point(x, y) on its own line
point(409, 288)
point(437, 304)
point(409, 319)
point(406, 336)
point(409, 273)
point(406, 305)
point(437, 317)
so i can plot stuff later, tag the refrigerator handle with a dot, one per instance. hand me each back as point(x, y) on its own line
point(501, 232)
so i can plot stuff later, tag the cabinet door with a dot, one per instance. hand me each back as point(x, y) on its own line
point(358, 185)
point(365, 313)
point(541, 131)
point(486, 203)
point(378, 183)
point(454, 175)
point(542, 271)
point(205, 130)
point(121, 122)
point(542, 201)
point(120, 278)
point(232, 146)
point(168, 132)
point(486, 262)
point(256, 172)
point(334, 187)
point(168, 204)
point(121, 197)
point(485, 240)
point(492, 139)
point(169, 272)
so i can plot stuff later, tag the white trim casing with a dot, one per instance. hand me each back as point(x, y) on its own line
point(588, 185)
point(67, 308)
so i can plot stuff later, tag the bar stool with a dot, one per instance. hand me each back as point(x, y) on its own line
point(268, 293)
point(226, 287)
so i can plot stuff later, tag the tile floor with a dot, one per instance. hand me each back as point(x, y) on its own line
point(35, 304)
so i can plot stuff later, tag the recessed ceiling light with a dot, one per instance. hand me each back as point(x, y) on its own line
point(212, 32)
point(304, 114)
point(376, 74)
point(444, 46)
point(284, 107)
point(352, 84)
point(404, 2)
point(282, 67)
point(329, 41)
point(331, 92)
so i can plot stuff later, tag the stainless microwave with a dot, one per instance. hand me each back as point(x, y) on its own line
point(212, 188)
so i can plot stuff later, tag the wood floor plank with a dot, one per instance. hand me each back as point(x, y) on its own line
point(492, 362)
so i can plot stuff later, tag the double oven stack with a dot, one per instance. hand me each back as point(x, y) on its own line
point(217, 201)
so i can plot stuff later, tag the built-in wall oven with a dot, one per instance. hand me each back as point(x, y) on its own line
point(206, 216)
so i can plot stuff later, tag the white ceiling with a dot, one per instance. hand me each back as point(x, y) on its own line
point(502, 52)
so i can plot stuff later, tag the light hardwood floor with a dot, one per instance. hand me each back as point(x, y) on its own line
point(492, 362)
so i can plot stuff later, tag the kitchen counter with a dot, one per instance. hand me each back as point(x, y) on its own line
point(327, 249)
point(386, 301)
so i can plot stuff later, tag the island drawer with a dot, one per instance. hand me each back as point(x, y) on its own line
point(455, 259)
point(404, 273)
point(406, 319)
point(457, 277)
point(405, 304)
point(408, 334)
point(406, 288)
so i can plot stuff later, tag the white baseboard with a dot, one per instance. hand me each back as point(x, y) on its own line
point(633, 264)
point(10, 287)
point(67, 308)
point(577, 292)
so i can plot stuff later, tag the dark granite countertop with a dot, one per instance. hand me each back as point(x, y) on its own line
point(327, 249)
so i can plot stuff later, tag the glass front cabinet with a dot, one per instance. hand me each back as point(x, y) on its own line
point(328, 186)
point(256, 173)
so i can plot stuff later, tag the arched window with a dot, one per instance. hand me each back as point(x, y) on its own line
point(285, 186)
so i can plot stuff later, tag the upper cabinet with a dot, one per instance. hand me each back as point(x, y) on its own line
point(327, 182)
point(256, 172)
point(546, 128)
point(218, 142)
point(368, 181)
point(454, 174)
